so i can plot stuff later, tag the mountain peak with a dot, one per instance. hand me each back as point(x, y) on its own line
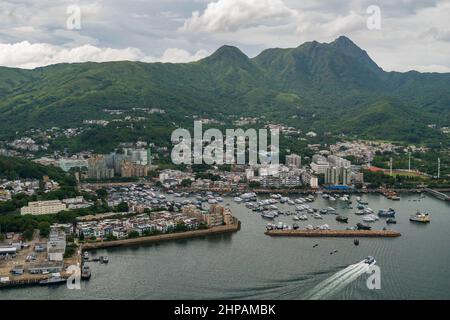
point(349, 48)
point(227, 53)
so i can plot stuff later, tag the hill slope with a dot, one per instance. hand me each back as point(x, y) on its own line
point(334, 86)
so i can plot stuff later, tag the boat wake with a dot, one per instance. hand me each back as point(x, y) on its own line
point(337, 282)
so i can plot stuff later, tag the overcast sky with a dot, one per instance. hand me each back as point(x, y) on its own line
point(414, 34)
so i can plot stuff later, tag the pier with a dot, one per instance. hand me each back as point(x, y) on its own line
point(334, 233)
point(437, 194)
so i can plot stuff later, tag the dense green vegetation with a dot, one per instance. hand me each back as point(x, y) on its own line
point(333, 87)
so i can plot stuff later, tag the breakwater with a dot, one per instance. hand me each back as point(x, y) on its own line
point(334, 233)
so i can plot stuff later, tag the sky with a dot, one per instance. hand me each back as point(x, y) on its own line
point(399, 35)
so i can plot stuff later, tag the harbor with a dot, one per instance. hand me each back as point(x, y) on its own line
point(334, 233)
point(286, 266)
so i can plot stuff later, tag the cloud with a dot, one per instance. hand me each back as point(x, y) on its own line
point(28, 56)
point(176, 55)
point(232, 15)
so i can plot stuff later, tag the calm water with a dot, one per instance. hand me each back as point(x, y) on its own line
point(250, 265)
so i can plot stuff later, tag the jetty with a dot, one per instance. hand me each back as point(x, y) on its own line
point(437, 194)
point(334, 233)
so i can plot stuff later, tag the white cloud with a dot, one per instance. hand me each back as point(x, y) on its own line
point(28, 56)
point(176, 55)
point(232, 15)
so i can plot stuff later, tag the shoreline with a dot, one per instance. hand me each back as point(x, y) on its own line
point(232, 228)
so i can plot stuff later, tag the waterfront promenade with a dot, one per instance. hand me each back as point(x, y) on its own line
point(164, 237)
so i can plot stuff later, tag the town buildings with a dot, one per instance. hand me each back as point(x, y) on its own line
point(43, 207)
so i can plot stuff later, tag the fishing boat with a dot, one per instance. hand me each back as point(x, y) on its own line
point(420, 217)
point(54, 279)
point(86, 272)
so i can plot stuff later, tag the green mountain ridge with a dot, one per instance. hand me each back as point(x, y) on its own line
point(322, 86)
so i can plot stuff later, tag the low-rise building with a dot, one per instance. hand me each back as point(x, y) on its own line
point(43, 207)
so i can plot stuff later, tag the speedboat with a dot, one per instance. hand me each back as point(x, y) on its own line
point(237, 199)
point(370, 260)
point(317, 216)
point(295, 218)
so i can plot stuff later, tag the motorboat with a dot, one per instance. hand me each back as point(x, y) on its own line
point(360, 226)
point(237, 199)
point(368, 219)
point(391, 221)
point(389, 213)
point(342, 219)
point(370, 260)
point(317, 216)
point(420, 217)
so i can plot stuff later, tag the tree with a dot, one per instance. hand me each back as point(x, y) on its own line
point(186, 183)
point(28, 233)
point(122, 207)
point(44, 228)
point(102, 193)
point(133, 234)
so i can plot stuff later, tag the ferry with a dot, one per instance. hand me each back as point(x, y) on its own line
point(420, 217)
